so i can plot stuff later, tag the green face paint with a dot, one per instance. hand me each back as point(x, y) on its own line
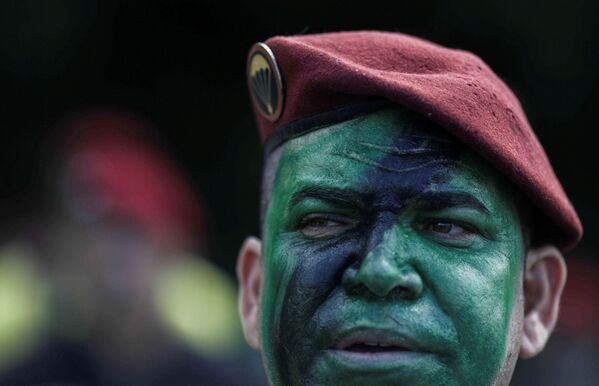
point(391, 256)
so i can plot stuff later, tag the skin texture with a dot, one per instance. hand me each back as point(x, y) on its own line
point(385, 226)
point(383, 230)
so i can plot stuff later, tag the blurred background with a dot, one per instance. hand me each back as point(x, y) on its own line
point(130, 167)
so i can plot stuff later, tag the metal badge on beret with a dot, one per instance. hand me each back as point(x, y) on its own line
point(265, 82)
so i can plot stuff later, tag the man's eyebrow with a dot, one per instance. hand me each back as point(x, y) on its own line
point(334, 195)
point(431, 200)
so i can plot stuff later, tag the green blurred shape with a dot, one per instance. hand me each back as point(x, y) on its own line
point(24, 303)
point(198, 303)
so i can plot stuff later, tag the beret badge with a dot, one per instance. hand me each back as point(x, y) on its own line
point(265, 82)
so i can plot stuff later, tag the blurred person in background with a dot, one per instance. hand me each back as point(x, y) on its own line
point(123, 296)
point(572, 355)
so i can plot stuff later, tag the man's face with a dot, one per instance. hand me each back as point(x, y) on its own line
point(391, 256)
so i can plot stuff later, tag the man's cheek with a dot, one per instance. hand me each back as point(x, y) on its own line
point(480, 302)
point(279, 267)
point(314, 276)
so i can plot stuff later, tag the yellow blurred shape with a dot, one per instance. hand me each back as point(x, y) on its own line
point(24, 303)
point(198, 302)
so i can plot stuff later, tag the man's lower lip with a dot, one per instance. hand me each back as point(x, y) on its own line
point(382, 359)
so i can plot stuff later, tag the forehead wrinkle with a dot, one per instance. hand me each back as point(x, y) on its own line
point(376, 164)
point(394, 150)
point(298, 164)
point(432, 136)
point(425, 138)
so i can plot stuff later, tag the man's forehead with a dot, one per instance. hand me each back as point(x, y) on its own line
point(391, 149)
point(387, 144)
point(385, 126)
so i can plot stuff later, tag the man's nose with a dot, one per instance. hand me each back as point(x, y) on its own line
point(387, 269)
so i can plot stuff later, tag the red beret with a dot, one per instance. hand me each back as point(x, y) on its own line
point(113, 166)
point(301, 83)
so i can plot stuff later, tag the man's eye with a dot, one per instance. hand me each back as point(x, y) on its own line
point(320, 225)
point(448, 229)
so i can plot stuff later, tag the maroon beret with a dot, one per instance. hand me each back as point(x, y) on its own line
point(301, 83)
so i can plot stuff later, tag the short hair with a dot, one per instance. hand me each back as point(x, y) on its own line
point(269, 173)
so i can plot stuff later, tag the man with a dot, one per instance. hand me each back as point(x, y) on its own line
point(411, 222)
point(117, 242)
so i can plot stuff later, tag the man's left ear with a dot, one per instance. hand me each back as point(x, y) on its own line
point(544, 280)
point(249, 274)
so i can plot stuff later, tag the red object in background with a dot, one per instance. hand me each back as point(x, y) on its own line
point(454, 88)
point(113, 163)
point(579, 314)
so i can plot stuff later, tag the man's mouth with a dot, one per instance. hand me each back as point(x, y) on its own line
point(374, 347)
point(374, 341)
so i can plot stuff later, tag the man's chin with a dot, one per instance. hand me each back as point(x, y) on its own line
point(342, 367)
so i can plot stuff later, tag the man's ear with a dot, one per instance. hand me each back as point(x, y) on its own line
point(544, 280)
point(249, 274)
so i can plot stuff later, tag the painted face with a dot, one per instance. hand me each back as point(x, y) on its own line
point(392, 256)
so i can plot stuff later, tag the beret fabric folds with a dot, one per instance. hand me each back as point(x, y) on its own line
point(456, 89)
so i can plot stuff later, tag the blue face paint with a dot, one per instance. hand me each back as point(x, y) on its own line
point(371, 222)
